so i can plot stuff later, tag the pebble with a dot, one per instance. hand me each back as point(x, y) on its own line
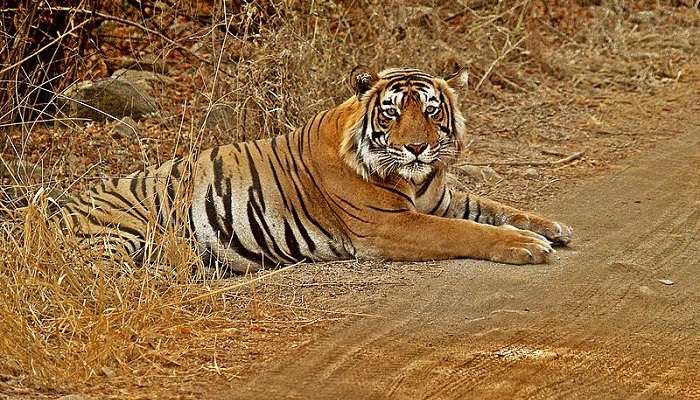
point(532, 173)
point(480, 173)
point(126, 127)
point(646, 290)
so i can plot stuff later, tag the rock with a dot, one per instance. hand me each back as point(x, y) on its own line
point(647, 291)
point(107, 99)
point(108, 372)
point(221, 117)
point(480, 173)
point(644, 18)
point(666, 281)
point(125, 127)
point(145, 79)
point(532, 172)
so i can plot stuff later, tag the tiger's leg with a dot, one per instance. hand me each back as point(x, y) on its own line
point(423, 237)
point(479, 209)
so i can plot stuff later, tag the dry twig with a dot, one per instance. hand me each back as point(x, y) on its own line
point(564, 160)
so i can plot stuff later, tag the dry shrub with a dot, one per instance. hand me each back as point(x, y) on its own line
point(69, 317)
point(42, 45)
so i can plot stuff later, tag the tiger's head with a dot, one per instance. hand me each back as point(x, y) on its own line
point(409, 124)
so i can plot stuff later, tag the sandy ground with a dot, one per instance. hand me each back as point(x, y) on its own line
point(613, 316)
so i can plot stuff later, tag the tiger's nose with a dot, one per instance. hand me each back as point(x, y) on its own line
point(416, 148)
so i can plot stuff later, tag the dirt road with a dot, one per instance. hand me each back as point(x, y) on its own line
point(616, 315)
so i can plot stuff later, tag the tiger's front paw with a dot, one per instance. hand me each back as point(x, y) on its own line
point(558, 233)
point(518, 246)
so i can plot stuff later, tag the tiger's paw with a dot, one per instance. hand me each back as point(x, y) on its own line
point(556, 232)
point(518, 246)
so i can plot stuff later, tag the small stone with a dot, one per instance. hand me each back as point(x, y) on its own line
point(480, 173)
point(108, 372)
point(74, 397)
point(221, 116)
point(646, 290)
point(532, 172)
point(143, 78)
point(644, 18)
point(666, 281)
point(125, 127)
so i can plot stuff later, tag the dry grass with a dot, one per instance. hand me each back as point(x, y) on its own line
point(71, 322)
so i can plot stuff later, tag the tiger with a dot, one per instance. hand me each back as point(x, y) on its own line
point(366, 179)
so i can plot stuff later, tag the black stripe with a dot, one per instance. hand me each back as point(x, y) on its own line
point(398, 192)
point(193, 231)
point(170, 191)
point(175, 170)
point(210, 210)
point(466, 209)
point(304, 233)
point(159, 208)
point(142, 186)
point(311, 178)
point(132, 231)
point(453, 122)
point(217, 165)
point(281, 255)
point(278, 184)
point(403, 80)
point(132, 186)
point(113, 227)
point(304, 132)
point(346, 202)
point(127, 206)
point(348, 212)
point(478, 212)
point(255, 177)
point(257, 232)
point(292, 243)
point(311, 219)
point(439, 203)
point(298, 192)
point(424, 186)
point(449, 201)
point(228, 210)
point(237, 246)
point(233, 241)
point(388, 210)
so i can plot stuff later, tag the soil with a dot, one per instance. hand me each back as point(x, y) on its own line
point(615, 315)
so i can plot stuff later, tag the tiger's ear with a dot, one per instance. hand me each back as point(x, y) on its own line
point(362, 79)
point(458, 78)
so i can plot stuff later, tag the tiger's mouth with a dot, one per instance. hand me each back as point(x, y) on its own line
point(415, 169)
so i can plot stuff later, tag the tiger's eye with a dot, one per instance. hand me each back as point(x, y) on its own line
point(430, 109)
point(390, 113)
